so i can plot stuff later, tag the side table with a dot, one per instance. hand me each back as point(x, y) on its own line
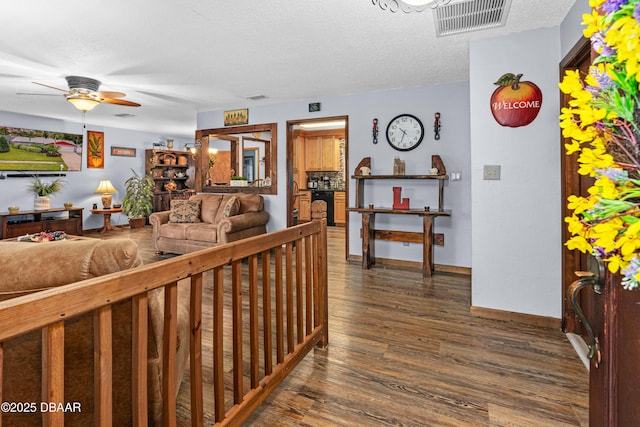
point(107, 218)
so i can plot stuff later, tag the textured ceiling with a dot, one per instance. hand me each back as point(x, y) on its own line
point(180, 57)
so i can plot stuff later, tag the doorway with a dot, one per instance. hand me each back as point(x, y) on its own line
point(318, 160)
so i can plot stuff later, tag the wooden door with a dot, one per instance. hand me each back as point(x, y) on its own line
point(573, 184)
point(613, 314)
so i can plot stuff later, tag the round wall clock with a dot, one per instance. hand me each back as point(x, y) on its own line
point(405, 132)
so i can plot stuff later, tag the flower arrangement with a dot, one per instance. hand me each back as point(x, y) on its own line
point(601, 121)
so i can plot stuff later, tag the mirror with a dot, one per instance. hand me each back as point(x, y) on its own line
point(237, 159)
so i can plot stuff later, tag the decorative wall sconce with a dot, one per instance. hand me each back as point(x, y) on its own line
point(436, 126)
point(193, 147)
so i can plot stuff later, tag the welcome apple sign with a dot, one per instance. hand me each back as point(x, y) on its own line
point(515, 103)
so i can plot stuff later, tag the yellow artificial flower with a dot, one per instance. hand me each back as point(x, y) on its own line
point(593, 22)
point(580, 204)
point(614, 263)
point(579, 243)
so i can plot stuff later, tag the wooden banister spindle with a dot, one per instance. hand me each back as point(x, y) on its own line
point(236, 304)
point(53, 372)
point(299, 292)
point(289, 296)
point(279, 306)
point(218, 342)
point(195, 351)
point(266, 312)
point(308, 268)
point(139, 343)
point(253, 321)
point(169, 345)
point(102, 367)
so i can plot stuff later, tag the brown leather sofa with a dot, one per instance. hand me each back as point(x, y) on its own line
point(216, 222)
point(29, 267)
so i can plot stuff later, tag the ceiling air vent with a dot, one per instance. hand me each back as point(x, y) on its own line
point(461, 16)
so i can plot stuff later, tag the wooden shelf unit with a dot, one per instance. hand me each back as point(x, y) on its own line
point(31, 222)
point(369, 233)
point(162, 166)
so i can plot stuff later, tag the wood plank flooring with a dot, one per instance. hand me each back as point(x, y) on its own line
point(406, 351)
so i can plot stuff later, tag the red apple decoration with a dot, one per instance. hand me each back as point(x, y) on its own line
point(515, 103)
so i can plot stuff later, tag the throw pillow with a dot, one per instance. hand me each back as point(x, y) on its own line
point(231, 208)
point(185, 211)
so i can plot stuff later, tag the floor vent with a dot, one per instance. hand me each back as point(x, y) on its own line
point(461, 16)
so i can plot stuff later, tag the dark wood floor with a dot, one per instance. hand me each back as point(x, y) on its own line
point(406, 351)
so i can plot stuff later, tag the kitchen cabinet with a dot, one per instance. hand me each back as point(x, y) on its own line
point(339, 208)
point(322, 153)
point(304, 210)
point(298, 164)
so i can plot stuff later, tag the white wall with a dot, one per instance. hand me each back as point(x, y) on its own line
point(571, 28)
point(452, 101)
point(516, 220)
point(79, 186)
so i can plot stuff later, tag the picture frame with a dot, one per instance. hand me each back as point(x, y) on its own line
point(236, 117)
point(95, 149)
point(123, 151)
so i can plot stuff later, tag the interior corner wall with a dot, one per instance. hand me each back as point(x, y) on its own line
point(516, 243)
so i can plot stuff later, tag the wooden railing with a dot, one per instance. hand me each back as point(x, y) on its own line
point(271, 288)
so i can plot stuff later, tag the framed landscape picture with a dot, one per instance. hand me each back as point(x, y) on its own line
point(37, 150)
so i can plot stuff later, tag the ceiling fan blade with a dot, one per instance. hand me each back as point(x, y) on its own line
point(37, 94)
point(120, 102)
point(107, 94)
point(51, 87)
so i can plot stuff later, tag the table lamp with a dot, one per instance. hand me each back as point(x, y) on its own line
point(105, 188)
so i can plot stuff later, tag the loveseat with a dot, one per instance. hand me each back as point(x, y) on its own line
point(29, 267)
point(206, 220)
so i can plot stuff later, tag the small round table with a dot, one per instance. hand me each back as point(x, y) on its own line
point(107, 218)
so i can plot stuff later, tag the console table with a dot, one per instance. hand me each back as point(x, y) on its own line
point(36, 221)
point(368, 218)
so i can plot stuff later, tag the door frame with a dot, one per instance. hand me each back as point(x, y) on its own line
point(289, 167)
point(571, 183)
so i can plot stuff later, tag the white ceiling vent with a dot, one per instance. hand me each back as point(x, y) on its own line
point(461, 16)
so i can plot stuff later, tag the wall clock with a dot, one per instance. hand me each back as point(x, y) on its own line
point(405, 132)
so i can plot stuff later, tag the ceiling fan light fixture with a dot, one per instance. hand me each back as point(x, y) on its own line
point(82, 102)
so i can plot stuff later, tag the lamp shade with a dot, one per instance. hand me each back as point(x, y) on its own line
point(82, 103)
point(105, 186)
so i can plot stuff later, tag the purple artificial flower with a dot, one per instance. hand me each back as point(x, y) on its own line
point(614, 174)
point(599, 45)
point(636, 12)
point(611, 6)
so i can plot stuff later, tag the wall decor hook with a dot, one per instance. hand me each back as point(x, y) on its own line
point(374, 131)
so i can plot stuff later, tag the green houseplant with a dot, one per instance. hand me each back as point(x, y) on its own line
point(44, 189)
point(137, 200)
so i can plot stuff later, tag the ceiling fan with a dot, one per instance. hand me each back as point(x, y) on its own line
point(83, 94)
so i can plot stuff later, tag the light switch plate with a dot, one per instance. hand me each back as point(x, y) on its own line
point(491, 172)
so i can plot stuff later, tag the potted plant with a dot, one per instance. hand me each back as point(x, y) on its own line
point(137, 200)
point(43, 190)
point(238, 181)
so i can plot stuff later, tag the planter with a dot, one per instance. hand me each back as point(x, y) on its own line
point(41, 203)
point(239, 183)
point(137, 222)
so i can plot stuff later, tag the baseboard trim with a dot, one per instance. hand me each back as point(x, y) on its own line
point(442, 268)
point(510, 316)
